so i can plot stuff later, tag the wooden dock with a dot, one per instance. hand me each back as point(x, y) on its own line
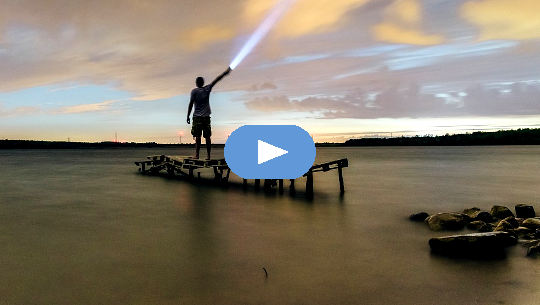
point(189, 168)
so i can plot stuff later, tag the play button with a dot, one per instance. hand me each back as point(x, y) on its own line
point(270, 152)
point(267, 152)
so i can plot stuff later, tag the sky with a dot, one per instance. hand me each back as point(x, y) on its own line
point(340, 69)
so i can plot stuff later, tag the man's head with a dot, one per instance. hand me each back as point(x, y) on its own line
point(199, 81)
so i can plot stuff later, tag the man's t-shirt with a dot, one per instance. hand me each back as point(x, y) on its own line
point(201, 99)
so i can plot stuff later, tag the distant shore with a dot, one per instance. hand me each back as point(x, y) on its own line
point(30, 144)
point(503, 137)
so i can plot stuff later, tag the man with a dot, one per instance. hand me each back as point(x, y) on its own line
point(200, 96)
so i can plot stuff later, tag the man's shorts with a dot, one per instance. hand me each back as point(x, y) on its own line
point(201, 126)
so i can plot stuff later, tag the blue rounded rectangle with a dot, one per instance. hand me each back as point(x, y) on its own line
point(270, 152)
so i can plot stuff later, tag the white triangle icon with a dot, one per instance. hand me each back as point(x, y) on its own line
point(267, 152)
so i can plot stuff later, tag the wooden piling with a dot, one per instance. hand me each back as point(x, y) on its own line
point(217, 176)
point(228, 174)
point(257, 184)
point(292, 190)
point(309, 184)
point(267, 186)
point(280, 186)
point(341, 184)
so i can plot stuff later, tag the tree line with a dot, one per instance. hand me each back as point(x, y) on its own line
point(523, 136)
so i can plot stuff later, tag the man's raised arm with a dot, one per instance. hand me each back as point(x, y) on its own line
point(221, 76)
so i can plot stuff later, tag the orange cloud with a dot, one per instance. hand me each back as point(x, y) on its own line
point(504, 19)
point(306, 16)
point(200, 37)
point(395, 34)
point(407, 11)
point(402, 24)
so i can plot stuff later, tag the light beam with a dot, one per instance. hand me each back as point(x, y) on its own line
point(271, 19)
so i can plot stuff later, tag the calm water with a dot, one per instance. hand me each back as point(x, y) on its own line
point(82, 227)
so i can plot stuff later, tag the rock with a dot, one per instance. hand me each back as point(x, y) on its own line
point(534, 250)
point(447, 221)
point(528, 243)
point(504, 226)
point(486, 228)
point(520, 220)
point(477, 214)
point(419, 216)
point(471, 211)
point(490, 244)
point(512, 221)
point(480, 226)
point(500, 212)
point(531, 223)
point(529, 236)
point(475, 225)
point(537, 233)
point(525, 211)
point(523, 232)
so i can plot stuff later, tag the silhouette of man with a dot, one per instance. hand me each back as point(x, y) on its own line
point(200, 97)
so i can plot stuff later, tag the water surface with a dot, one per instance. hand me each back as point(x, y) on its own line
point(82, 227)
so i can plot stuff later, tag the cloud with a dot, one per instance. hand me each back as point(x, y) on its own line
point(402, 24)
point(262, 87)
point(306, 16)
point(272, 104)
point(95, 107)
point(504, 19)
point(408, 101)
point(200, 37)
point(143, 47)
point(17, 111)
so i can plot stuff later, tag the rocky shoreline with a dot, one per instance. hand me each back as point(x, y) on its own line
point(497, 229)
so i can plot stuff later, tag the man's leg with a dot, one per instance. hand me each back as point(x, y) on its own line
point(197, 147)
point(207, 133)
point(208, 147)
